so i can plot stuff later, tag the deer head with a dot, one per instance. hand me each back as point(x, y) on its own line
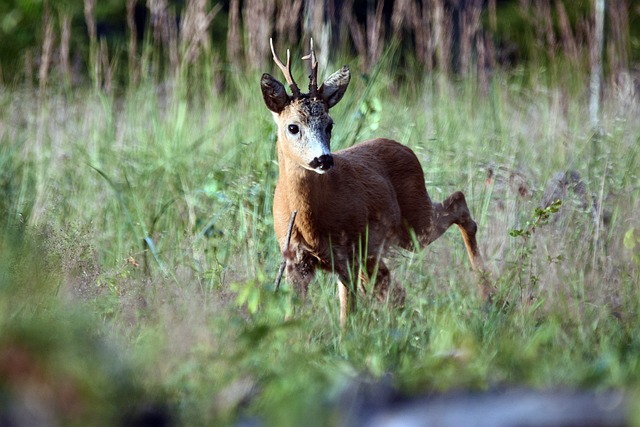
point(304, 124)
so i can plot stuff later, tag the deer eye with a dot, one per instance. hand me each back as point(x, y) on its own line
point(329, 128)
point(293, 129)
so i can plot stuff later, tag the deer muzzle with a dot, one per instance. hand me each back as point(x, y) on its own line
point(322, 164)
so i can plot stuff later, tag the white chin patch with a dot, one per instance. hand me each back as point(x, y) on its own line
point(317, 170)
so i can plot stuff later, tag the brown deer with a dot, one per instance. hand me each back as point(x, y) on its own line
point(353, 204)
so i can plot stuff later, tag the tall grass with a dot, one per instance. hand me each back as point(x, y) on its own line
point(155, 207)
point(143, 219)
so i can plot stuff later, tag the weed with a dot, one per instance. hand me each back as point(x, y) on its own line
point(523, 272)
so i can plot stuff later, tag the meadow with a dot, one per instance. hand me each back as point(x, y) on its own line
point(138, 257)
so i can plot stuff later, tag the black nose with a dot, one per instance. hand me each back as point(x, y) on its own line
point(324, 162)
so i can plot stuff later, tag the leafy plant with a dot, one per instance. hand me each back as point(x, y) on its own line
point(523, 270)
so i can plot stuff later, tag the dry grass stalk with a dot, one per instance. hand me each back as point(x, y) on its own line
point(89, 18)
point(441, 37)
point(469, 30)
point(618, 43)
point(400, 15)
point(489, 61)
point(65, 40)
point(89, 12)
point(356, 30)
point(47, 50)
point(315, 24)
point(595, 55)
point(158, 10)
point(106, 68)
point(28, 67)
point(626, 93)
point(134, 72)
point(324, 42)
point(407, 16)
point(566, 35)
point(165, 31)
point(484, 62)
point(287, 21)
point(543, 23)
point(313, 18)
point(375, 32)
point(493, 15)
point(194, 34)
point(172, 42)
point(368, 39)
point(234, 43)
point(332, 22)
point(422, 25)
point(258, 16)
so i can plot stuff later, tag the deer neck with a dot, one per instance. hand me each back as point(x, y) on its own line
point(307, 192)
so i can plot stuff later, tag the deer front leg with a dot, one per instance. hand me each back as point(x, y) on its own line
point(344, 297)
point(384, 288)
point(301, 268)
point(346, 294)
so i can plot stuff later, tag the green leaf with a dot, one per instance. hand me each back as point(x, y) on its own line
point(630, 240)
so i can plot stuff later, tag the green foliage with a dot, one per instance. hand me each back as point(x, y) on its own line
point(540, 217)
point(632, 243)
point(55, 363)
point(150, 219)
point(17, 23)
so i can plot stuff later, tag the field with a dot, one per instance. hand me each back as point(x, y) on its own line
point(138, 257)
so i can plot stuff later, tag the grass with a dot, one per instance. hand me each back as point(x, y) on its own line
point(142, 221)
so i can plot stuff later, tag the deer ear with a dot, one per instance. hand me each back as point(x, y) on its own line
point(335, 86)
point(274, 93)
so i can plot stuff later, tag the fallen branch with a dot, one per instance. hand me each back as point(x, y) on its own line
point(286, 249)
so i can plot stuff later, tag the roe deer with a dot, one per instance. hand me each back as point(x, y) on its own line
point(352, 204)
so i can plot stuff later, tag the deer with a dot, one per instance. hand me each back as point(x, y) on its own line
point(354, 204)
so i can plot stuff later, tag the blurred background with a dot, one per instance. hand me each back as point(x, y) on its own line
point(137, 172)
point(113, 41)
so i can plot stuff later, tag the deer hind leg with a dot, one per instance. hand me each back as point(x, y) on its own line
point(454, 210)
point(384, 288)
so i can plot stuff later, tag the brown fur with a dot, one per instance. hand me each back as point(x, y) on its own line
point(373, 195)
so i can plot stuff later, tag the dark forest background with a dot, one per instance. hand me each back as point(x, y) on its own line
point(117, 41)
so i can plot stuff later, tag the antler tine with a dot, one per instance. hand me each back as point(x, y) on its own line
point(286, 70)
point(313, 78)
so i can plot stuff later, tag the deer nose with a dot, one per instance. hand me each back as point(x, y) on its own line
point(324, 162)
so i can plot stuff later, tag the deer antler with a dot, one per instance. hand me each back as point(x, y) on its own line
point(286, 70)
point(313, 78)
